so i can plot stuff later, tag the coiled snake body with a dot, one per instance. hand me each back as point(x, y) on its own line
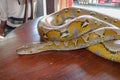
point(75, 28)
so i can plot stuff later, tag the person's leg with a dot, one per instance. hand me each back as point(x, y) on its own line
point(8, 29)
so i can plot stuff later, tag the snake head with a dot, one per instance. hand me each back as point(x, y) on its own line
point(29, 48)
point(25, 50)
point(34, 47)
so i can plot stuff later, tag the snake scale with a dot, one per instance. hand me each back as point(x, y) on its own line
point(76, 28)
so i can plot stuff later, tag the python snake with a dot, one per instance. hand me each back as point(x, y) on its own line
point(76, 28)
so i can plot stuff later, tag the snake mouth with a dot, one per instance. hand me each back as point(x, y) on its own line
point(113, 46)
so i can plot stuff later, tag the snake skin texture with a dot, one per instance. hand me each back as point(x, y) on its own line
point(76, 28)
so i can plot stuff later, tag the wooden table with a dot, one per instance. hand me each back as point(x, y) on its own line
point(50, 65)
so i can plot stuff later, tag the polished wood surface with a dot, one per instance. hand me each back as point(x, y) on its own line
point(50, 65)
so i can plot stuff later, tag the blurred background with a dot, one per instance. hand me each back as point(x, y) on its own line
point(109, 7)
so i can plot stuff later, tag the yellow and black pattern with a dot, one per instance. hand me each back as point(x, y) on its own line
point(75, 28)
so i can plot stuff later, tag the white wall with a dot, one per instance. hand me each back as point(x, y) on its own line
point(40, 8)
